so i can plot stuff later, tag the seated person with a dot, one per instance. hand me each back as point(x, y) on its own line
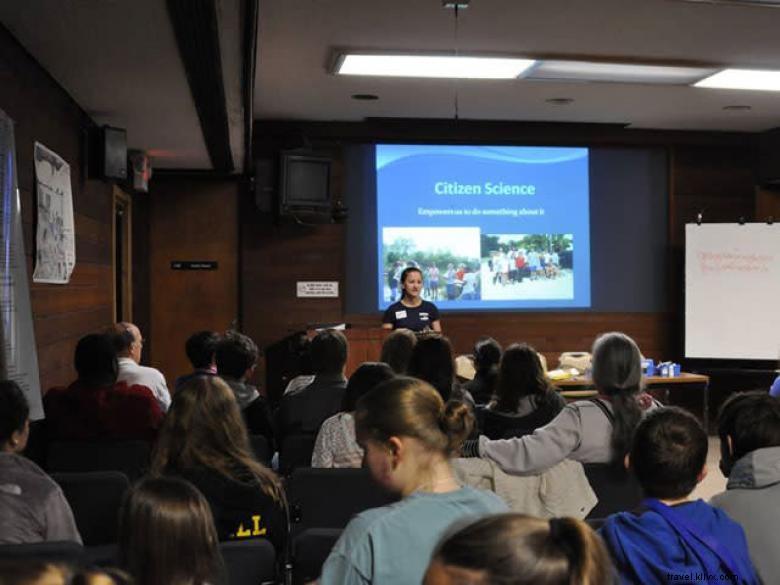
point(236, 357)
point(433, 361)
point(336, 445)
point(96, 405)
point(167, 536)
point(200, 349)
point(515, 549)
point(408, 434)
point(129, 343)
point(204, 441)
point(397, 350)
point(749, 430)
point(487, 354)
point(32, 506)
point(525, 399)
point(301, 356)
point(673, 535)
point(304, 411)
point(589, 431)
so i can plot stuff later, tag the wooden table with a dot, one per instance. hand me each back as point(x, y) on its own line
point(577, 388)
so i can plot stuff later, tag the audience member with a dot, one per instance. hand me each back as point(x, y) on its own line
point(674, 537)
point(204, 441)
point(432, 361)
point(301, 357)
point(336, 445)
point(304, 411)
point(397, 350)
point(408, 434)
point(515, 549)
point(32, 506)
point(200, 348)
point(36, 572)
point(96, 405)
point(167, 535)
point(129, 343)
point(236, 357)
point(487, 354)
point(749, 430)
point(590, 431)
point(524, 397)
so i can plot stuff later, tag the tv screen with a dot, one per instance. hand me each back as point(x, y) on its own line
point(305, 182)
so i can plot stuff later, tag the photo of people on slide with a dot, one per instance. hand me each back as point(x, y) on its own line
point(527, 266)
point(447, 257)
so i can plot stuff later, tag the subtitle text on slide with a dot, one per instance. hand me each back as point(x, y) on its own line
point(475, 211)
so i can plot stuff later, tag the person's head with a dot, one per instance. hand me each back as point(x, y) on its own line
point(38, 572)
point(200, 349)
point(329, 352)
point(128, 341)
point(411, 282)
point(746, 422)
point(668, 453)
point(487, 354)
point(432, 361)
point(397, 349)
point(616, 370)
point(514, 549)
point(95, 360)
point(14, 417)
point(167, 534)
point(204, 428)
point(407, 430)
point(236, 355)
point(365, 378)
point(519, 374)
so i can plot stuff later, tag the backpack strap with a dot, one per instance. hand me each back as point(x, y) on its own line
point(604, 408)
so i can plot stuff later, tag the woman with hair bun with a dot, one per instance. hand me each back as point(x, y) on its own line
point(408, 434)
point(514, 549)
point(598, 430)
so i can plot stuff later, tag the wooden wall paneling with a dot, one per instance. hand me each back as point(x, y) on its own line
point(767, 204)
point(190, 220)
point(44, 112)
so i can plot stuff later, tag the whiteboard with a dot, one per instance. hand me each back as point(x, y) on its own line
point(732, 291)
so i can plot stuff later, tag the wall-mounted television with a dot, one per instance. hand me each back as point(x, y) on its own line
point(304, 185)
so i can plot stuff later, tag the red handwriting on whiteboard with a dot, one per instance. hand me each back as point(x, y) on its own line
point(734, 262)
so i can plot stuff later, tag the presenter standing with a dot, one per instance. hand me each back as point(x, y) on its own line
point(412, 312)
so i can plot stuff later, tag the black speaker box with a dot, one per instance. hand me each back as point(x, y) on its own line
point(108, 153)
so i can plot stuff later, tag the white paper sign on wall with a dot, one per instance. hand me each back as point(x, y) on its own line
point(318, 289)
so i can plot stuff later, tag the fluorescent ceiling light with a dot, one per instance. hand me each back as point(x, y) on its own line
point(617, 72)
point(452, 66)
point(743, 79)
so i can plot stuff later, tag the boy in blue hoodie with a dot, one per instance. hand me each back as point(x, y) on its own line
point(674, 539)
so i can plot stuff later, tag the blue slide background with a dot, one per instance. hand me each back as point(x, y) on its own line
point(406, 175)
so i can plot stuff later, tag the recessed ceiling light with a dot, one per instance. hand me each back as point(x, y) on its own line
point(738, 108)
point(742, 79)
point(365, 97)
point(435, 66)
point(617, 72)
point(562, 101)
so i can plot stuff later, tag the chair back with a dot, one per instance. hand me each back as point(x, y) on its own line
point(261, 449)
point(310, 549)
point(129, 457)
point(95, 498)
point(329, 498)
point(296, 451)
point(249, 562)
point(616, 489)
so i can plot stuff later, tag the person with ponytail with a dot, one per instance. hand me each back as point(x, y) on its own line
point(411, 311)
point(590, 431)
point(408, 434)
point(515, 549)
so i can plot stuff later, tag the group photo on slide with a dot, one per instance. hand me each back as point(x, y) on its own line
point(527, 266)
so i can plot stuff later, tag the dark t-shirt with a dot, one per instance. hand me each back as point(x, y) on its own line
point(414, 318)
point(240, 508)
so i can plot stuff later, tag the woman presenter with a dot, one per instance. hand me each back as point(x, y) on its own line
point(412, 312)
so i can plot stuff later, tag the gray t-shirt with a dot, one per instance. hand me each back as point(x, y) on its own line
point(392, 545)
point(32, 506)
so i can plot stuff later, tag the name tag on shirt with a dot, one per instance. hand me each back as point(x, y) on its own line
point(423, 316)
point(400, 314)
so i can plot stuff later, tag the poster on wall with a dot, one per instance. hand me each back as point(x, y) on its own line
point(55, 240)
point(18, 356)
